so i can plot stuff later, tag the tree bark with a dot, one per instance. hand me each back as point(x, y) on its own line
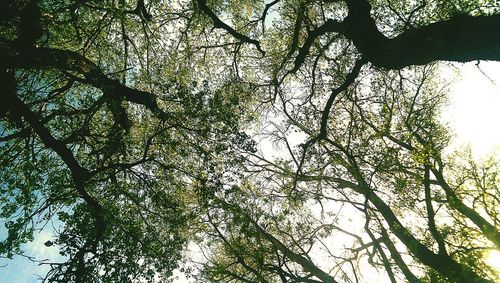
point(461, 38)
point(41, 58)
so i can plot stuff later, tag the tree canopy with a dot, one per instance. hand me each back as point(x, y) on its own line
point(135, 126)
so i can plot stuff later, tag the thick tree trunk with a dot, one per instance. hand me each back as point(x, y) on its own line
point(462, 39)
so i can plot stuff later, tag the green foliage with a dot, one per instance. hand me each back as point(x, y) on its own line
point(135, 130)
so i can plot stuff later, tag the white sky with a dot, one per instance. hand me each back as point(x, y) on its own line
point(474, 110)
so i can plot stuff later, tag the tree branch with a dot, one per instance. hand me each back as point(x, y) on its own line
point(69, 61)
point(488, 230)
point(79, 174)
point(430, 212)
point(307, 264)
point(461, 38)
point(444, 264)
point(329, 26)
point(218, 23)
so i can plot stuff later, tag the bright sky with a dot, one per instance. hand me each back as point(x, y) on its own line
point(473, 114)
point(474, 110)
point(21, 269)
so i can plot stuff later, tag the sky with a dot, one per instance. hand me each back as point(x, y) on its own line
point(21, 269)
point(473, 115)
point(474, 110)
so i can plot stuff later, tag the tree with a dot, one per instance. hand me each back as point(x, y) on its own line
point(381, 164)
point(125, 121)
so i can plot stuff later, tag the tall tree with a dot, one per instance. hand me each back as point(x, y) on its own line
point(381, 165)
point(129, 122)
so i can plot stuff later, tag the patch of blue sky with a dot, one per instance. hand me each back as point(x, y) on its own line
point(33, 265)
